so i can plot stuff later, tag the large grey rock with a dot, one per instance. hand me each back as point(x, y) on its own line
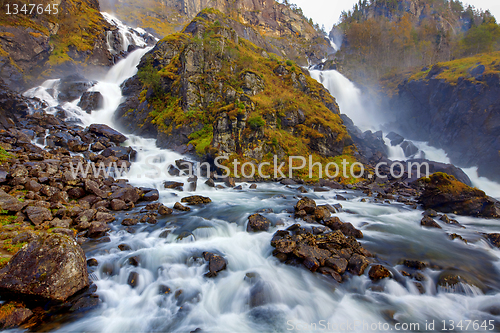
point(52, 266)
point(8, 202)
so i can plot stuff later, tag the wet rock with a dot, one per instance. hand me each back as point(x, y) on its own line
point(133, 279)
point(331, 272)
point(210, 182)
point(85, 304)
point(86, 216)
point(196, 200)
point(451, 280)
point(229, 182)
point(164, 290)
point(117, 204)
point(306, 204)
point(124, 247)
point(357, 264)
point(321, 213)
point(173, 185)
point(104, 217)
point(257, 222)
point(130, 222)
point(97, 146)
point(13, 314)
point(446, 194)
point(429, 222)
point(134, 261)
point(127, 194)
point(149, 218)
point(395, 138)
point(180, 207)
point(415, 264)
point(152, 195)
point(38, 215)
point(72, 87)
point(108, 132)
point(90, 101)
point(334, 223)
point(32, 271)
point(216, 263)
point(430, 213)
point(378, 272)
point(76, 193)
point(92, 262)
point(163, 210)
point(164, 233)
point(97, 229)
point(253, 186)
point(457, 236)
point(338, 264)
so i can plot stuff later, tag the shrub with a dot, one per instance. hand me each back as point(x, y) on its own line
point(256, 122)
point(289, 63)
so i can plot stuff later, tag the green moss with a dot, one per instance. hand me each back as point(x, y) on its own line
point(4, 156)
point(3, 262)
point(256, 122)
point(451, 71)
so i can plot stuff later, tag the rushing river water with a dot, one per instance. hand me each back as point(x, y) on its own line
point(257, 293)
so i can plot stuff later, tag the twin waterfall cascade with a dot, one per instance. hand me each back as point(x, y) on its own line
point(257, 293)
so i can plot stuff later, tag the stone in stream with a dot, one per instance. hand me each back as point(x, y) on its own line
point(152, 195)
point(210, 182)
point(357, 264)
point(415, 264)
point(173, 185)
point(107, 132)
point(196, 200)
point(130, 221)
point(257, 222)
point(133, 279)
point(163, 210)
point(429, 222)
point(378, 272)
point(180, 207)
point(117, 204)
point(33, 270)
point(97, 229)
point(92, 262)
point(306, 204)
point(216, 263)
point(347, 228)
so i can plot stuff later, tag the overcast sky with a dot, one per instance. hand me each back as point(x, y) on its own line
point(327, 12)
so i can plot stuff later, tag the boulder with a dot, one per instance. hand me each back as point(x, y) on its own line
point(52, 266)
point(429, 222)
point(446, 194)
point(163, 210)
point(9, 203)
point(378, 272)
point(306, 204)
point(90, 101)
point(97, 229)
point(151, 195)
point(257, 222)
point(127, 194)
point(38, 215)
point(357, 264)
point(216, 263)
point(196, 200)
point(108, 132)
point(179, 206)
point(395, 138)
point(72, 87)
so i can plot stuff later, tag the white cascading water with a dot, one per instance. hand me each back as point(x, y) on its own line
point(257, 293)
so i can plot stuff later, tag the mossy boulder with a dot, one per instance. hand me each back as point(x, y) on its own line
point(52, 266)
point(444, 193)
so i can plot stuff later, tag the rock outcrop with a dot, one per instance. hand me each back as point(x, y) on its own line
point(282, 29)
point(446, 194)
point(454, 110)
point(210, 91)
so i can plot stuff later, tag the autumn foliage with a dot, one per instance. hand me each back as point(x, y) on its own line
point(388, 36)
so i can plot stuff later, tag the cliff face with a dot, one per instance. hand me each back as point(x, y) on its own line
point(211, 91)
point(285, 31)
point(456, 106)
point(37, 46)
